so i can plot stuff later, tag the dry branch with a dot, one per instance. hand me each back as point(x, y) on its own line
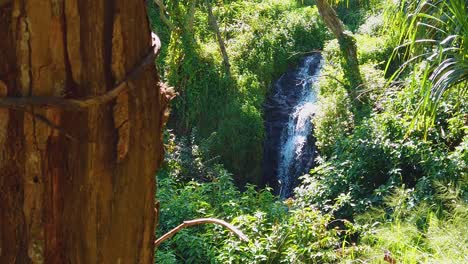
point(79, 104)
point(200, 221)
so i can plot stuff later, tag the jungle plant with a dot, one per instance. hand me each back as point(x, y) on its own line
point(436, 33)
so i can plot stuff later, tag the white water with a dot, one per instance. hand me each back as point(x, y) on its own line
point(294, 137)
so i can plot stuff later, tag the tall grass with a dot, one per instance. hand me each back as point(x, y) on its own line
point(415, 234)
point(433, 32)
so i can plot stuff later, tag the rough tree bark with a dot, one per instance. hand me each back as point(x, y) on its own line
point(78, 187)
point(347, 45)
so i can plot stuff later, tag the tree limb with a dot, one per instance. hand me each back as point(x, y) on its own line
point(162, 15)
point(222, 46)
point(79, 104)
point(330, 18)
point(191, 15)
point(199, 221)
point(347, 43)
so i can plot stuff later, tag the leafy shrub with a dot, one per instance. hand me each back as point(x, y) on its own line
point(279, 232)
point(333, 119)
point(304, 237)
point(366, 161)
point(185, 196)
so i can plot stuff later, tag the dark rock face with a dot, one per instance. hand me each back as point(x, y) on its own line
point(289, 148)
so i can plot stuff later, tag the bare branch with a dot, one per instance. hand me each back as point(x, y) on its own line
point(200, 221)
point(79, 104)
point(222, 46)
point(162, 15)
point(334, 78)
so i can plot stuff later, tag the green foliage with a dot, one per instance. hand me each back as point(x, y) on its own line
point(304, 237)
point(279, 232)
point(377, 190)
point(293, 231)
point(210, 192)
point(354, 13)
point(436, 33)
point(373, 49)
point(377, 157)
point(416, 234)
point(365, 162)
point(415, 189)
point(333, 119)
point(263, 39)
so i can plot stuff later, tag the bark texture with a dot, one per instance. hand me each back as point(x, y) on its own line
point(347, 44)
point(78, 186)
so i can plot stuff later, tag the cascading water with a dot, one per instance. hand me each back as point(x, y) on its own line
point(289, 144)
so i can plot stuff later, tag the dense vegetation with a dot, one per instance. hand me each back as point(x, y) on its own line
point(392, 176)
point(263, 38)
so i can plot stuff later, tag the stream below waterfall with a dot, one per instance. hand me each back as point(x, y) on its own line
point(289, 150)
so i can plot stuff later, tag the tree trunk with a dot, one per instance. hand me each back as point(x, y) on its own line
point(347, 45)
point(78, 187)
point(214, 25)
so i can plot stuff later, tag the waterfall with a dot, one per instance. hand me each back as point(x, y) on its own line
point(289, 144)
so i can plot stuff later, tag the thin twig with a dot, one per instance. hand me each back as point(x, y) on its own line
point(334, 78)
point(79, 104)
point(304, 53)
point(199, 221)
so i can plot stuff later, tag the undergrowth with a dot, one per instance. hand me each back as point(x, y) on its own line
point(385, 188)
point(296, 230)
